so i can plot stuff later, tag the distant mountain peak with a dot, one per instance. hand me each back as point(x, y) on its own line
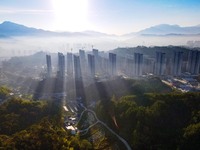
point(167, 25)
point(167, 29)
point(9, 23)
point(13, 29)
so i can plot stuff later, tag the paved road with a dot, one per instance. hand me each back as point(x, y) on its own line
point(105, 125)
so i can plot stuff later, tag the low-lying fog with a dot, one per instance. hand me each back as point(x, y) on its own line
point(19, 46)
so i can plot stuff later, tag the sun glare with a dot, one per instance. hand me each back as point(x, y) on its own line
point(70, 15)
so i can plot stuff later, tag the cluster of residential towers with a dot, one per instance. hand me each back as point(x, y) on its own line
point(95, 63)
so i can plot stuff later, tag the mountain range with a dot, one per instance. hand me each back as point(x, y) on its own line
point(10, 29)
point(165, 29)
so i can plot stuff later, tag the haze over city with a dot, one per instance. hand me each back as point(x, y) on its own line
point(100, 74)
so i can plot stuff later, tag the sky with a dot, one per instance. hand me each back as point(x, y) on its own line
point(108, 16)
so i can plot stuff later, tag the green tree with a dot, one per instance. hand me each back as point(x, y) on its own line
point(4, 92)
point(191, 137)
point(85, 145)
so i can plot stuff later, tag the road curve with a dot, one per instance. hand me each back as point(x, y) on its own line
point(99, 121)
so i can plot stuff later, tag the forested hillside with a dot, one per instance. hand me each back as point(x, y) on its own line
point(34, 125)
point(155, 121)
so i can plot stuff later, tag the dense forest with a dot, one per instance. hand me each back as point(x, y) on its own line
point(147, 115)
point(31, 125)
point(155, 121)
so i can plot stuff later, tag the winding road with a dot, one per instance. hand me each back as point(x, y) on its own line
point(102, 123)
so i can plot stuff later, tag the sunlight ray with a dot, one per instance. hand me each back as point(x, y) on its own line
point(69, 14)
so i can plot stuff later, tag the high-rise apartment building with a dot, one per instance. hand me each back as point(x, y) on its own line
point(95, 52)
point(177, 63)
point(70, 64)
point(138, 64)
point(91, 65)
point(112, 64)
point(61, 65)
point(193, 62)
point(82, 61)
point(160, 63)
point(49, 66)
point(77, 68)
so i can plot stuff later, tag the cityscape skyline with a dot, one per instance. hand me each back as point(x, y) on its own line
point(100, 74)
point(112, 17)
point(111, 64)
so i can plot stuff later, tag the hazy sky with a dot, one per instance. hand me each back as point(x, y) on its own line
point(109, 16)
